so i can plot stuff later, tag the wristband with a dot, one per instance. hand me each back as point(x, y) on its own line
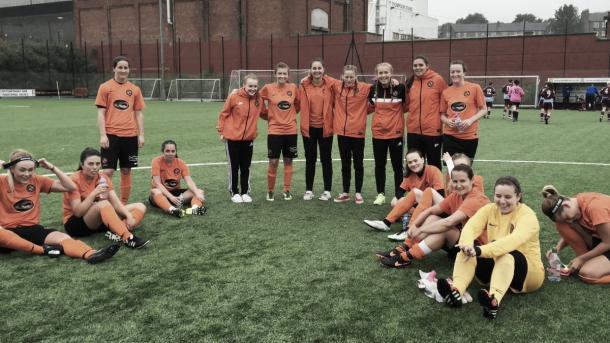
point(477, 251)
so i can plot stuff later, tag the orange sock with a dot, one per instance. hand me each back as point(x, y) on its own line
point(76, 249)
point(573, 238)
point(113, 222)
point(410, 242)
point(196, 202)
point(137, 215)
point(287, 176)
point(416, 252)
point(11, 240)
point(425, 202)
point(161, 201)
point(125, 187)
point(604, 280)
point(402, 206)
point(271, 175)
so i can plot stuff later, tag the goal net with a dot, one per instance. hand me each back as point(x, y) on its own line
point(194, 90)
point(264, 77)
point(529, 83)
point(371, 78)
point(149, 87)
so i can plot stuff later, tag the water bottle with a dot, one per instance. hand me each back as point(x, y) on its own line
point(555, 265)
point(405, 221)
point(458, 123)
point(102, 182)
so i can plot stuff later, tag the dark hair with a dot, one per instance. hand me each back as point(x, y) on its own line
point(464, 68)
point(411, 151)
point(422, 57)
point(490, 83)
point(167, 142)
point(551, 202)
point(510, 181)
point(317, 59)
point(281, 65)
point(85, 154)
point(411, 79)
point(516, 82)
point(118, 59)
point(464, 169)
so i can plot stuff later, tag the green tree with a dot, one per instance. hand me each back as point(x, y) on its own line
point(566, 19)
point(473, 18)
point(526, 17)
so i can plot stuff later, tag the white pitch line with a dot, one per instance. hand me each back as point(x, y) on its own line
point(207, 164)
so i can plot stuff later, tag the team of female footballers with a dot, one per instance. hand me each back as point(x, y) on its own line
point(497, 242)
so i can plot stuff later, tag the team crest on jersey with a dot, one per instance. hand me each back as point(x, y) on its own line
point(466, 93)
point(121, 105)
point(30, 188)
point(240, 103)
point(23, 205)
point(129, 92)
point(289, 93)
point(395, 93)
point(458, 106)
point(430, 84)
point(171, 183)
point(283, 105)
point(176, 170)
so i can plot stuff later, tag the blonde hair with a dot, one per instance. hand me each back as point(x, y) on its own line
point(281, 65)
point(350, 67)
point(16, 154)
point(250, 76)
point(459, 155)
point(384, 64)
point(551, 201)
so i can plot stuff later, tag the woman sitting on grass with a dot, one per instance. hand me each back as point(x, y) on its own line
point(511, 259)
point(20, 227)
point(430, 230)
point(167, 170)
point(583, 222)
point(94, 205)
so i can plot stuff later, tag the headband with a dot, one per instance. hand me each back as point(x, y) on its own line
point(557, 206)
point(20, 159)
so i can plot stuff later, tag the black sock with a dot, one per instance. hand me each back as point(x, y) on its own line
point(387, 222)
point(516, 115)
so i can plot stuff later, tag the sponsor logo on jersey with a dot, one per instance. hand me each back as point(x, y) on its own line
point(171, 183)
point(129, 92)
point(23, 205)
point(430, 84)
point(458, 106)
point(466, 93)
point(289, 93)
point(121, 105)
point(176, 170)
point(30, 188)
point(283, 105)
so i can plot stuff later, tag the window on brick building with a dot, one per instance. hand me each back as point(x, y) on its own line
point(319, 20)
point(395, 35)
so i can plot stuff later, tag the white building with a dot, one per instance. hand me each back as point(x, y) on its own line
point(401, 17)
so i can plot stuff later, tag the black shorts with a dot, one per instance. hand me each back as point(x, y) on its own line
point(596, 242)
point(547, 105)
point(606, 102)
point(489, 104)
point(174, 192)
point(506, 102)
point(284, 144)
point(465, 146)
point(120, 149)
point(35, 234)
point(76, 227)
point(485, 267)
point(516, 104)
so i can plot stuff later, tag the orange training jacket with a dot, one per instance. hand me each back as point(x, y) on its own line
point(350, 109)
point(327, 114)
point(424, 116)
point(239, 116)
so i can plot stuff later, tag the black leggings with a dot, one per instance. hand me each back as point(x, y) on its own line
point(380, 153)
point(239, 155)
point(311, 155)
point(430, 146)
point(351, 147)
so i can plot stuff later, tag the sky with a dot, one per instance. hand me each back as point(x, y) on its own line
point(449, 10)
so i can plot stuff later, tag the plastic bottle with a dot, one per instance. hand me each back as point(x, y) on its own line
point(102, 182)
point(555, 265)
point(405, 221)
point(458, 123)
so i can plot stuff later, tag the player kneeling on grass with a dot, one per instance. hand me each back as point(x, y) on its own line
point(419, 176)
point(20, 227)
point(167, 170)
point(237, 126)
point(94, 205)
point(583, 222)
point(511, 259)
point(430, 231)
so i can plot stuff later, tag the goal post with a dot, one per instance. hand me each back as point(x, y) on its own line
point(150, 88)
point(194, 90)
point(529, 83)
point(264, 76)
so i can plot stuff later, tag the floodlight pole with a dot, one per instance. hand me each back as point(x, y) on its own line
point(161, 52)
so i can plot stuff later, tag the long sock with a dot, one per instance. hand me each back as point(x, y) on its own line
point(195, 202)
point(287, 176)
point(425, 202)
point(402, 206)
point(604, 280)
point(271, 175)
point(76, 249)
point(137, 216)
point(11, 240)
point(573, 238)
point(125, 187)
point(516, 117)
point(417, 252)
point(161, 201)
point(488, 113)
point(113, 222)
point(502, 276)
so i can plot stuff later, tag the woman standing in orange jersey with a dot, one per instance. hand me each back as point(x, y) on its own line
point(20, 227)
point(283, 103)
point(237, 126)
point(462, 105)
point(583, 222)
point(424, 127)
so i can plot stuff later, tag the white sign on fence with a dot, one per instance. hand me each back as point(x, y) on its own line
point(17, 93)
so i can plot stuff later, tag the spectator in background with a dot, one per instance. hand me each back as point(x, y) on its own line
point(566, 90)
point(590, 96)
